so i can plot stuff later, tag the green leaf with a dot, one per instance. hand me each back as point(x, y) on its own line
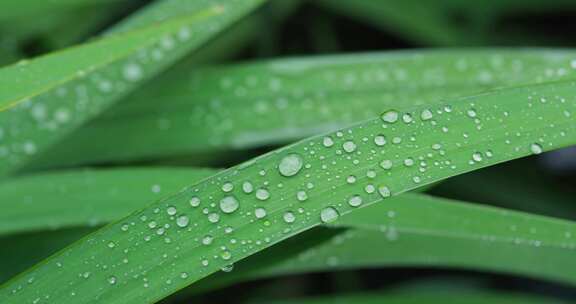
point(294, 98)
point(51, 95)
point(85, 197)
point(172, 244)
point(393, 233)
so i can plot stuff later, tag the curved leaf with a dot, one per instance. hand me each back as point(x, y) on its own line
point(223, 219)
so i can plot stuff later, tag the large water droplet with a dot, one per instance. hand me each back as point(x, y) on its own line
point(229, 204)
point(384, 191)
point(327, 141)
point(329, 214)
point(182, 221)
point(380, 140)
point(260, 212)
point(290, 165)
point(355, 201)
point(262, 194)
point(195, 201)
point(349, 146)
point(390, 116)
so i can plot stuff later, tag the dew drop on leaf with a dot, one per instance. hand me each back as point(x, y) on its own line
point(327, 142)
point(289, 217)
point(182, 221)
point(535, 148)
point(195, 201)
point(262, 194)
point(390, 116)
point(247, 187)
point(229, 204)
point(355, 201)
point(329, 214)
point(349, 146)
point(290, 165)
point(260, 212)
point(380, 140)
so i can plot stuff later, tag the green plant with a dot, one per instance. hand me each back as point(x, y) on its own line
point(371, 133)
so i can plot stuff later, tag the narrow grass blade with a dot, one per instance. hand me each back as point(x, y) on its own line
point(247, 208)
point(47, 98)
point(278, 101)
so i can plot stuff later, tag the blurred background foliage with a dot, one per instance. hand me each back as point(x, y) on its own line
point(542, 184)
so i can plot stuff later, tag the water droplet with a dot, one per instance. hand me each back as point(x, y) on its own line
point(226, 255)
point(290, 165)
point(213, 217)
point(227, 187)
point(390, 116)
point(229, 204)
point(329, 214)
point(349, 146)
point(112, 280)
point(386, 164)
point(195, 201)
point(471, 113)
point(132, 72)
point(536, 148)
point(355, 201)
point(171, 210)
point(384, 191)
point(262, 194)
point(260, 212)
point(380, 140)
point(408, 162)
point(477, 156)
point(426, 114)
point(407, 118)
point(289, 217)
point(301, 195)
point(207, 240)
point(247, 187)
point(327, 141)
point(351, 179)
point(182, 221)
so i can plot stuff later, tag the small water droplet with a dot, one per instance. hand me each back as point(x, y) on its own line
point(477, 156)
point(289, 217)
point(536, 148)
point(112, 280)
